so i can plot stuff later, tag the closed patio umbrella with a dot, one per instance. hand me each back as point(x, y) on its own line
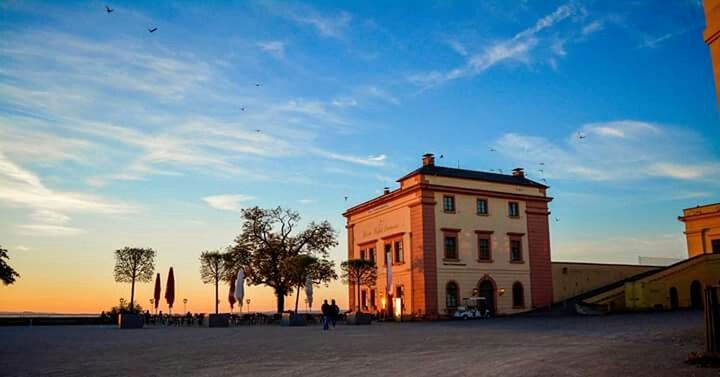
point(156, 294)
point(231, 297)
point(170, 290)
point(309, 292)
point(240, 288)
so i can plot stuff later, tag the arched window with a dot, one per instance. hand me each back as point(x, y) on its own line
point(518, 295)
point(452, 292)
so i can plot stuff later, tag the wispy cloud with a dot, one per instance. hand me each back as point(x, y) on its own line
point(228, 202)
point(616, 151)
point(592, 27)
point(516, 49)
point(21, 188)
point(326, 25)
point(274, 48)
point(652, 42)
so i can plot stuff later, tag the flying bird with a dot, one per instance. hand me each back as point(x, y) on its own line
point(541, 163)
point(580, 136)
point(153, 30)
point(442, 156)
point(346, 198)
point(258, 84)
point(257, 130)
point(557, 219)
point(492, 149)
point(108, 9)
point(242, 109)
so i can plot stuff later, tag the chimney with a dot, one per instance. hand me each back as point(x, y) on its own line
point(518, 172)
point(386, 190)
point(428, 159)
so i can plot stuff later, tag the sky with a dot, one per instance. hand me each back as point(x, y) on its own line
point(112, 136)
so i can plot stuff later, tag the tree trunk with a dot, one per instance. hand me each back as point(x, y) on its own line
point(216, 296)
point(132, 296)
point(280, 300)
point(297, 298)
point(357, 299)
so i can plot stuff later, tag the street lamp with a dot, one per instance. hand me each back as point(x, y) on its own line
point(185, 301)
point(248, 303)
point(152, 303)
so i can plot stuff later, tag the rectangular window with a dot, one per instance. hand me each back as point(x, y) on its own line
point(363, 299)
point(448, 203)
point(716, 246)
point(363, 254)
point(451, 251)
point(484, 248)
point(398, 252)
point(399, 291)
point(516, 251)
point(513, 209)
point(372, 298)
point(388, 254)
point(372, 254)
point(482, 207)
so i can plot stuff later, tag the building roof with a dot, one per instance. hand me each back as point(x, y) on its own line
point(443, 171)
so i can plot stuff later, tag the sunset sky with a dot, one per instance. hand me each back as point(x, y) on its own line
point(111, 136)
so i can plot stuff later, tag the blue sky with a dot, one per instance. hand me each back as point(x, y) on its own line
point(111, 135)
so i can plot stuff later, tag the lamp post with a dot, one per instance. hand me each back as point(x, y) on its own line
point(185, 301)
point(248, 304)
point(152, 302)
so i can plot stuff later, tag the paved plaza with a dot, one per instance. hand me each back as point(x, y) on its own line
point(652, 344)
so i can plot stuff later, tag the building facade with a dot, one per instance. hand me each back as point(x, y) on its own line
point(448, 234)
point(712, 38)
point(678, 286)
point(702, 229)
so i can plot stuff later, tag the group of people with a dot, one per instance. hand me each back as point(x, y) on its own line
point(330, 314)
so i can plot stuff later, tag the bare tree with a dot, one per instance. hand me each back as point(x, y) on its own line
point(213, 265)
point(359, 272)
point(269, 239)
point(132, 265)
point(7, 273)
point(302, 269)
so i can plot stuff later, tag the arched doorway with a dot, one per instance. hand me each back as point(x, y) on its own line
point(486, 288)
point(696, 300)
point(674, 298)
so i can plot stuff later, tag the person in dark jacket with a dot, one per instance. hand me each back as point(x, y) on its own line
point(326, 312)
point(334, 313)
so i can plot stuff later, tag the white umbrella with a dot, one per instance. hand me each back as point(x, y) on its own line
point(240, 288)
point(309, 291)
point(388, 263)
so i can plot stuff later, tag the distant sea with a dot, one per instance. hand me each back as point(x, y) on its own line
point(46, 315)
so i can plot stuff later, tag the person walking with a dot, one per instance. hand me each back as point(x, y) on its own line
point(334, 313)
point(326, 313)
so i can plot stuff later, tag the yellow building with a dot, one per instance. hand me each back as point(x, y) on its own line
point(677, 286)
point(448, 234)
point(702, 229)
point(712, 38)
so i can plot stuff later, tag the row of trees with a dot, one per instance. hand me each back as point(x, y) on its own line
point(270, 250)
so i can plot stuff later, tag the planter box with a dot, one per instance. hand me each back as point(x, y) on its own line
point(218, 320)
point(292, 319)
point(130, 321)
point(359, 319)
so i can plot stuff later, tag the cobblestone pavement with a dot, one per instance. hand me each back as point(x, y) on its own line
point(651, 344)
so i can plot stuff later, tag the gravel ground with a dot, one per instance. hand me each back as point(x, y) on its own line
point(652, 344)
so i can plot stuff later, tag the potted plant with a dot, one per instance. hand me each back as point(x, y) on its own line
point(133, 265)
point(212, 269)
point(359, 272)
point(305, 270)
